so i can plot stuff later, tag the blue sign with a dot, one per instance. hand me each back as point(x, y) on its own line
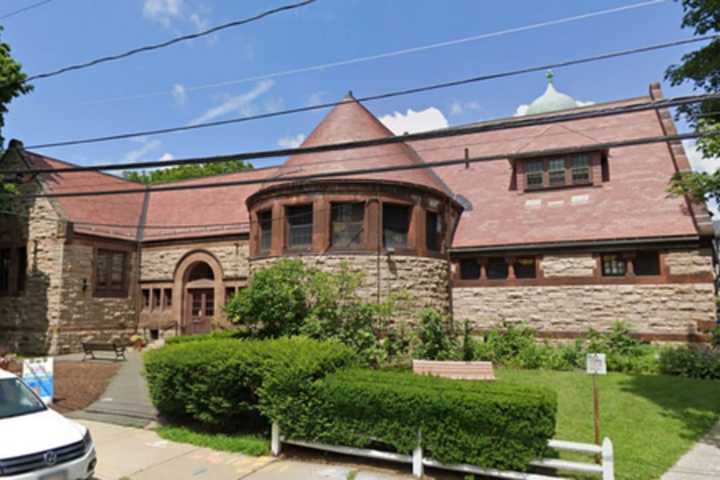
point(38, 375)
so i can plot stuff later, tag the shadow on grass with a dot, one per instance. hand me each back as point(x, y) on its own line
point(694, 403)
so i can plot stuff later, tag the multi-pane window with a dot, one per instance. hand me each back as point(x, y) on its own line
point(614, 265)
point(469, 269)
point(146, 298)
point(167, 296)
point(396, 224)
point(556, 172)
point(157, 298)
point(580, 169)
point(265, 223)
point(111, 272)
point(525, 267)
point(496, 268)
point(4, 270)
point(347, 224)
point(647, 263)
point(433, 231)
point(534, 173)
point(300, 226)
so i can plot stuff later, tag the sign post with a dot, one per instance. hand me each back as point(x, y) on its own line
point(38, 375)
point(596, 365)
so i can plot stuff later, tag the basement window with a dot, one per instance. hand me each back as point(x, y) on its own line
point(396, 225)
point(300, 226)
point(347, 225)
point(111, 277)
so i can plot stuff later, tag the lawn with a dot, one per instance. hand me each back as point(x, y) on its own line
point(249, 444)
point(651, 420)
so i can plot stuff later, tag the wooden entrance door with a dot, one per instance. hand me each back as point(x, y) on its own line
point(201, 306)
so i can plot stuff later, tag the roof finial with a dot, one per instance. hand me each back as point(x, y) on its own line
point(550, 75)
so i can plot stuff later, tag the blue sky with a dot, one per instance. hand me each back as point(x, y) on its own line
point(95, 101)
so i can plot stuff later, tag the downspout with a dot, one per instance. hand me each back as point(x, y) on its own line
point(138, 258)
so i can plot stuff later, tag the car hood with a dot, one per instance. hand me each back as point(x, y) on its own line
point(37, 432)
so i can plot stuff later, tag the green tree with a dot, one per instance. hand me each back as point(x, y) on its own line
point(701, 69)
point(184, 172)
point(12, 84)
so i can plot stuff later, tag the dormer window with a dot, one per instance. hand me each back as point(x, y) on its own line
point(557, 172)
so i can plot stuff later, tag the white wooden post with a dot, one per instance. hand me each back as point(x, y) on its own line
point(608, 466)
point(417, 458)
point(275, 446)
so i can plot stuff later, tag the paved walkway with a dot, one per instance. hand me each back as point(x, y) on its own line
point(702, 461)
point(136, 454)
point(126, 400)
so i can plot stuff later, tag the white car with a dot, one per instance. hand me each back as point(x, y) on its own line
point(37, 443)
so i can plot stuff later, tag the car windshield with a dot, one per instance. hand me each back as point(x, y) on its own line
point(17, 399)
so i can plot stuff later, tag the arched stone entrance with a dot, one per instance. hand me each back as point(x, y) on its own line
point(199, 279)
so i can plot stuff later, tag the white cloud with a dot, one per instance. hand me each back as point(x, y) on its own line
point(167, 156)
point(169, 12)
point(413, 122)
point(179, 93)
point(291, 142)
point(316, 98)
point(242, 104)
point(138, 154)
point(458, 108)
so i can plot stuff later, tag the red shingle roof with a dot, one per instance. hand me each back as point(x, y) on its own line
point(351, 121)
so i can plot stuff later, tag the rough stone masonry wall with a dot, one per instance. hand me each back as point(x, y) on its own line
point(29, 322)
point(660, 309)
point(84, 316)
point(425, 279)
point(159, 262)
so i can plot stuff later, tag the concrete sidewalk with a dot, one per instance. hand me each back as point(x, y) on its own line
point(126, 400)
point(137, 454)
point(702, 461)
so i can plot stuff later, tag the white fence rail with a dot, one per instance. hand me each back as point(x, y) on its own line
point(605, 452)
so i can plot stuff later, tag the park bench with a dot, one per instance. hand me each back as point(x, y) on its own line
point(90, 348)
point(456, 370)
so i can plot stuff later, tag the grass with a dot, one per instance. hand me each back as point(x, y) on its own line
point(249, 444)
point(651, 420)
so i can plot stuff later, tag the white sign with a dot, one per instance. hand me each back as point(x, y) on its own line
point(595, 364)
point(38, 375)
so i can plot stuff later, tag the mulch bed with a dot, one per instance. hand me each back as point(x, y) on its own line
point(77, 385)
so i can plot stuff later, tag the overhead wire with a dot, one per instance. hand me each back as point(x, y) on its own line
point(167, 43)
point(24, 9)
point(371, 98)
point(384, 55)
point(514, 123)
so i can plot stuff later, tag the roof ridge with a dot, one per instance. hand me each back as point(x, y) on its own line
point(71, 164)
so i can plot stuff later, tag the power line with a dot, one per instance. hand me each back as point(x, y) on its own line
point(434, 134)
point(391, 54)
point(395, 168)
point(24, 9)
point(382, 96)
point(167, 43)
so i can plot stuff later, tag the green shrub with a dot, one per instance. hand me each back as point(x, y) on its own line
point(237, 334)
point(219, 382)
point(492, 424)
point(690, 361)
point(274, 303)
point(437, 340)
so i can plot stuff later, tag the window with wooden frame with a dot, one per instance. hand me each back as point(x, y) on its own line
point(433, 231)
point(396, 225)
point(647, 263)
point(299, 226)
point(146, 299)
point(568, 170)
point(157, 298)
point(496, 268)
point(614, 265)
point(265, 223)
point(525, 267)
point(469, 269)
point(5, 270)
point(346, 224)
point(167, 298)
point(111, 276)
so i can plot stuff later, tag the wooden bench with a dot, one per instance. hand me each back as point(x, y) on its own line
point(90, 348)
point(456, 370)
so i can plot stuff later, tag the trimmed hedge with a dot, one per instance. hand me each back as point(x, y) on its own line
point(219, 382)
point(491, 424)
point(237, 334)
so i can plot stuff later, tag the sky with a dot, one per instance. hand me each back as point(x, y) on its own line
point(178, 85)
